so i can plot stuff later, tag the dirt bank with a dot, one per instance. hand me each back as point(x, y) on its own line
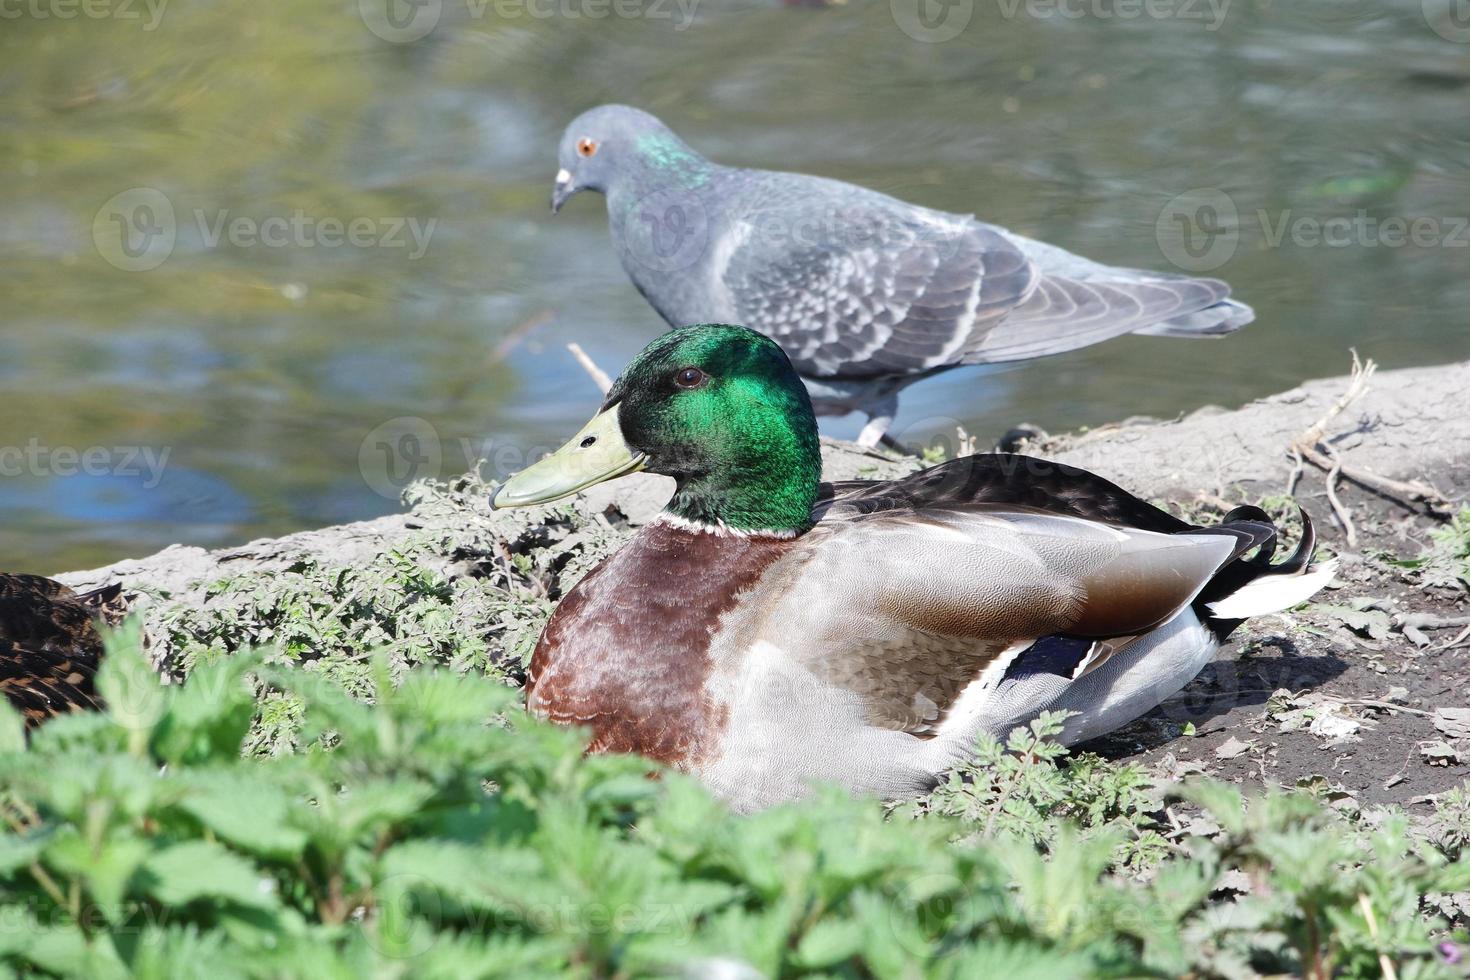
point(1364, 687)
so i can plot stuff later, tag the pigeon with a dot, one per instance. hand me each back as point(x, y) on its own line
point(866, 293)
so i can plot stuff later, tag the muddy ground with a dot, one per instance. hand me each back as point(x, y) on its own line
point(1337, 689)
point(1353, 689)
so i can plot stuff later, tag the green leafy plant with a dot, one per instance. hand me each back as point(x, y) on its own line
point(1445, 563)
point(425, 826)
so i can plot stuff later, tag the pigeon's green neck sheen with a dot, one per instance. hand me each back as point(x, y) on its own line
point(667, 156)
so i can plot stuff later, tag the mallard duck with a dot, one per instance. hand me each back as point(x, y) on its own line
point(866, 293)
point(769, 631)
point(49, 644)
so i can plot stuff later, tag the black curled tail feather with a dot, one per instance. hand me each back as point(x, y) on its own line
point(1305, 549)
point(1247, 523)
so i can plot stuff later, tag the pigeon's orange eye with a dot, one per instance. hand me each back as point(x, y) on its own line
point(690, 377)
point(586, 147)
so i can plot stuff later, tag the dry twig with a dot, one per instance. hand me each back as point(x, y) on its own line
point(1344, 516)
point(1310, 446)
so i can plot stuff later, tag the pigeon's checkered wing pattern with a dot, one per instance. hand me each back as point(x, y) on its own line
point(870, 291)
point(854, 284)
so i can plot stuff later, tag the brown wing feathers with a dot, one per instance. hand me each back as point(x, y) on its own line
point(1027, 483)
point(49, 644)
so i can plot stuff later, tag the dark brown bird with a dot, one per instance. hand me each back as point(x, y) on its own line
point(49, 644)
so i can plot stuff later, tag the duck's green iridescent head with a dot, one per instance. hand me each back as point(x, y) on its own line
point(718, 408)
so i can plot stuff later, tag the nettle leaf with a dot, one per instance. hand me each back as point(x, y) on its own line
point(248, 810)
point(829, 942)
point(368, 807)
point(209, 717)
point(106, 869)
point(65, 785)
point(1018, 961)
point(451, 957)
point(68, 952)
point(202, 869)
point(19, 850)
point(436, 871)
point(178, 952)
point(1221, 801)
point(438, 697)
point(129, 686)
point(12, 729)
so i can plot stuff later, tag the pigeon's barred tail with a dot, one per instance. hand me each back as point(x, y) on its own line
point(1254, 586)
point(1226, 316)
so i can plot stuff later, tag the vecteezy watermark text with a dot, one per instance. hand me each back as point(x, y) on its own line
point(1211, 13)
point(405, 21)
point(402, 450)
point(937, 21)
point(37, 459)
point(138, 229)
point(148, 12)
point(302, 230)
point(1200, 230)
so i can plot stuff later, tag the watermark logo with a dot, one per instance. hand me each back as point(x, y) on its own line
point(667, 231)
point(932, 21)
point(403, 450)
point(400, 21)
point(398, 452)
point(135, 230)
point(1450, 19)
point(1198, 230)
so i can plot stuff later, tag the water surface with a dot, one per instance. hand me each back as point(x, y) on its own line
point(286, 379)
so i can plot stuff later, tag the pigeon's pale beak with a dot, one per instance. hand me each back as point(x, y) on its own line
point(564, 188)
point(595, 454)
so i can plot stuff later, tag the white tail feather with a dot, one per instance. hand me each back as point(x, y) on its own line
point(1274, 593)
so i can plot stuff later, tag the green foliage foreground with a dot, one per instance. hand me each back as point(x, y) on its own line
point(439, 831)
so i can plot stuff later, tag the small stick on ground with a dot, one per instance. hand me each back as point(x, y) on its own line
point(1357, 384)
point(1344, 516)
point(599, 376)
point(1305, 445)
point(1311, 447)
point(1296, 471)
point(1457, 640)
point(1413, 625)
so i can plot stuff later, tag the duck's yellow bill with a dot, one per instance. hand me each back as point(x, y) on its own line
point(595, 454)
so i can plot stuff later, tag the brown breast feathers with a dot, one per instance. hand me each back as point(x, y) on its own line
point(627, 652)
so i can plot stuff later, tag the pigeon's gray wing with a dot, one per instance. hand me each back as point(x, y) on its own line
point(856, 284)
point(1064, 314)
point(1081, 302)
point(870, 288)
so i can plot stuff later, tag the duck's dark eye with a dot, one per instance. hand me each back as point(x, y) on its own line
point(690, 377)
point(586, 147)
point(589, 442)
